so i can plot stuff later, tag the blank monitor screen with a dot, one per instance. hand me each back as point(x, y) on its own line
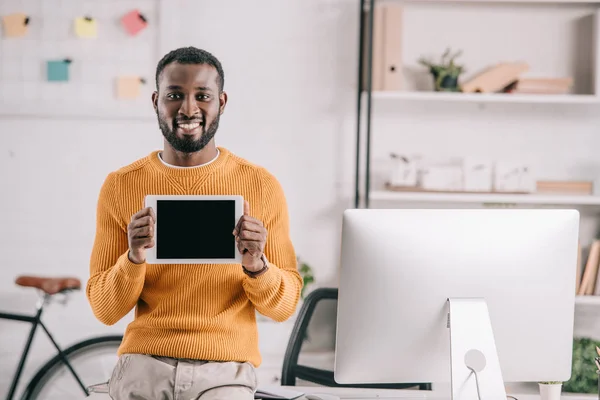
point(195, 229)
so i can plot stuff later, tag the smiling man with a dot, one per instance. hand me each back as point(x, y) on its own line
point(194, 334)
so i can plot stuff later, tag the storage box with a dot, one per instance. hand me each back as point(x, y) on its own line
point(478, 175)
point(403, 171)
point(514, 177)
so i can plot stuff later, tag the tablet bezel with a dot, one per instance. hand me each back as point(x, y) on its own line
point(151, 201)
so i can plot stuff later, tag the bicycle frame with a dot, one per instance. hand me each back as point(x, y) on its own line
point(36, 321)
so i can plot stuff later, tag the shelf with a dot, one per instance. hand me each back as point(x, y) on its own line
point(587, 300)
point(508, 1)
point(489, 98)
point(485, 198)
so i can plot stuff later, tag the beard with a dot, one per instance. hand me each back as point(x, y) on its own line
point(188, 144)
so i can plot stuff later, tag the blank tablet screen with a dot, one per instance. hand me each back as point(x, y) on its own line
point(195, 229)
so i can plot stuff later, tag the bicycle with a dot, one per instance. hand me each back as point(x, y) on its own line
point(65, 375)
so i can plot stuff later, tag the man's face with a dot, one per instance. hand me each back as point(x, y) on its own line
point(188, 105)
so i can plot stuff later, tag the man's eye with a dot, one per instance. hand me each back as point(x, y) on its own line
point(203, 97)
point(174, 96)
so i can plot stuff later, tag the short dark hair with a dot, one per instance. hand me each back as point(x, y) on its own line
point(191, 55)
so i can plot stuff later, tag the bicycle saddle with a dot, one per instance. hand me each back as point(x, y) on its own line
point(49, 285)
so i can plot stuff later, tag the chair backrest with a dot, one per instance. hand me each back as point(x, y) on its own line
point(320, 327)
point(300, 330)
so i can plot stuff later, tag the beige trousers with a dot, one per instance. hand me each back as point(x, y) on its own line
point(140, 376)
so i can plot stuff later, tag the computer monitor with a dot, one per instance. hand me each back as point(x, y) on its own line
point(475, 297)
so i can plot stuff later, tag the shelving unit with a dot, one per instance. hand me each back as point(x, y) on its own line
point(516, 1)
point(487, 198)
point(487, 98)
point(367, 98)
point(425, 39)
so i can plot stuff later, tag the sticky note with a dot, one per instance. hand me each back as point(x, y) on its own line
point(86, 27)
point(128, 87)
point(133, 22)
point(15, 25)
point(58, 70)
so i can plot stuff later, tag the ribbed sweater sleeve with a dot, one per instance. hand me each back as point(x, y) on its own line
point(115, 282)
point(275, 293)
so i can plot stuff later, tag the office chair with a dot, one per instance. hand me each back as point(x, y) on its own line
point(291, 370)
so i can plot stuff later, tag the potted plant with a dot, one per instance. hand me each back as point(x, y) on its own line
point(584, 376)
point(446, 72)
point(307, 275)
point(550, 390)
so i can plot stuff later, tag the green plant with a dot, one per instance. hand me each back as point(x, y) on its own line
point(584, 378)
point(307, 275)
point(446, 72)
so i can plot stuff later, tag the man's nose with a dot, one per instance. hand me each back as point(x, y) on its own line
point(189, 108)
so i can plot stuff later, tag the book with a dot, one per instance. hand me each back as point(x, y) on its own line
point(590, 272)
point(495, 78)
point(276, 393)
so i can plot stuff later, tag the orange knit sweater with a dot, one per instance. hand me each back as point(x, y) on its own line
point(204, 312)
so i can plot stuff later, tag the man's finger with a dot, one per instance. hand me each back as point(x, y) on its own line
point(247, 218)
point(251, 245)
point(255, 251)
point(251, 236)
point(144, 221)
point(246, 207)
point(143, 212)
point(251, 226)
point(142, 232)
point(236, 230)
point(243, 222)
point(142, 243)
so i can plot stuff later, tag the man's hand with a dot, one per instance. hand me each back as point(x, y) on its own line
point(140, 233)
point(251, 236)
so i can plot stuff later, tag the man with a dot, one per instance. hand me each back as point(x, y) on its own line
point(194, 335)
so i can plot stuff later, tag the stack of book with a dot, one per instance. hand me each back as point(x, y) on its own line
point(543, 86)
point(588, 282)
point(507, 77)
point(574, 188)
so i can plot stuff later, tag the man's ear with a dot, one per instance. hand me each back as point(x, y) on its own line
point(155, 100)
point(222, 102)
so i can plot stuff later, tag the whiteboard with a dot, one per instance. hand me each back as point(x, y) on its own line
point(96, 63)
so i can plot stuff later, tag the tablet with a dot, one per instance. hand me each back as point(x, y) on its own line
point(194, 229)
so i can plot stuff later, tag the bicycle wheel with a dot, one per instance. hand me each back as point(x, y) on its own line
point(92, 360)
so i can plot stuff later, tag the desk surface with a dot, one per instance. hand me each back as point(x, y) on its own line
point(370, 394)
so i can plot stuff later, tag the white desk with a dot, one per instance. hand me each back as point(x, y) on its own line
point(370, 394)
point(353, 394)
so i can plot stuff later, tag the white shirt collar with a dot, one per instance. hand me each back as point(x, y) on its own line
point(180, 167)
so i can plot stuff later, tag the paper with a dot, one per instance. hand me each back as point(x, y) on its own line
point(15, 25)
point(128, 87)
point(277, 393)
point(86, 27)
point(134, 22)
point(58, 71)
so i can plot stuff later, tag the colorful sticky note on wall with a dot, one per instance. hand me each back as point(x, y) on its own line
point(128, 87)
point(86, 27)
point(134, 22)
point(15, 25)
point(58, 70)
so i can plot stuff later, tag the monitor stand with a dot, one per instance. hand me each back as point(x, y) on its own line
point(475, 368)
